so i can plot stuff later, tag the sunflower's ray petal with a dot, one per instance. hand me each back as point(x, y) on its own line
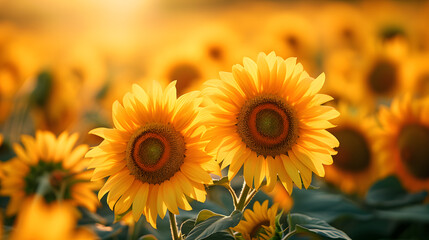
point(118, 189)
point(195, 173)
point(140, 200)
point(168, 195)
point(314, 164)
point(75, 156)
point(260, 167)
point(291, 170)
point(117, 179)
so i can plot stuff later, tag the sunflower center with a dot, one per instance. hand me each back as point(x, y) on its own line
point(259, 229)
point(414, 150)
point(383, 77)
point(354, 154)
point(155, 153)
point(292, 41)
point(185, 74)
point(215, 52)
point(56, 176)
point(267, 125)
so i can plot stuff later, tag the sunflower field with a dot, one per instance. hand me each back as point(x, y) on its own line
point(214, 119)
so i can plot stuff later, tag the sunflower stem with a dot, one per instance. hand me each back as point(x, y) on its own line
point(173, 226)
point(243, 196)
point(233, 195)
point(44, 185)
point(289, 235)
point(251, 195)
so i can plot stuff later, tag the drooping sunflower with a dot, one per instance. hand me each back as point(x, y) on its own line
point(267, 117)
point(356, 166)
point(258, 224)
point(404, 140)
point(51, 167)
point(39, 220)
point(154, 155)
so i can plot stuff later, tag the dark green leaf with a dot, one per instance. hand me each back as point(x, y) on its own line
point(148, 237)
point(279, 228)
point(187, 226)
point(305, 224)
point(204, 215)
point(416, 213)
point(224, 235)
point(326, 206)
point(389, 193)
point(214, 224)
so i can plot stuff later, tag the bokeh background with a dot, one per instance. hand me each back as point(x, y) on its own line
point(63, 64)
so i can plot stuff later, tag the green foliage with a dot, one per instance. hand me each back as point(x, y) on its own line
point(209, 223)
point(389, 193)
point(148, 237)
point(299, 223)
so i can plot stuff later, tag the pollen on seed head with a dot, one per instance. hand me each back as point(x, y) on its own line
point(267, 125)
point(155, 153)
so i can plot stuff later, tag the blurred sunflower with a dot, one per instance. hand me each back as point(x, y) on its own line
point(258, 224)
point(281, 196)
point(390, 27)
point(154, 154)
point(38, 220)
point(404, 141)
point(185, 65)
point(342, 67)
point(291, 40)
point(268, 118)
point(344, 27)
point(17, 65)
point(383, 78)
point(418, 73)
point(217, 42)
point(356, 166)
point(50, 167)
point(72, 83)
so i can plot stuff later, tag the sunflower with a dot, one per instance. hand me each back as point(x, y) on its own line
point(281, 196)
point(342, 67)
point(391, 27)
point(268, 118)
point(74, 81)
point(258, 224)
point(38, 220)
point(187, 65)
point(217, 42)
point(50, 167)
point(404, 141)
point(291, 40)
point(344, 27)
point(356, 165)
point(368, 80)
point(154, 154)
point(17, 64)
point(418, 71)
